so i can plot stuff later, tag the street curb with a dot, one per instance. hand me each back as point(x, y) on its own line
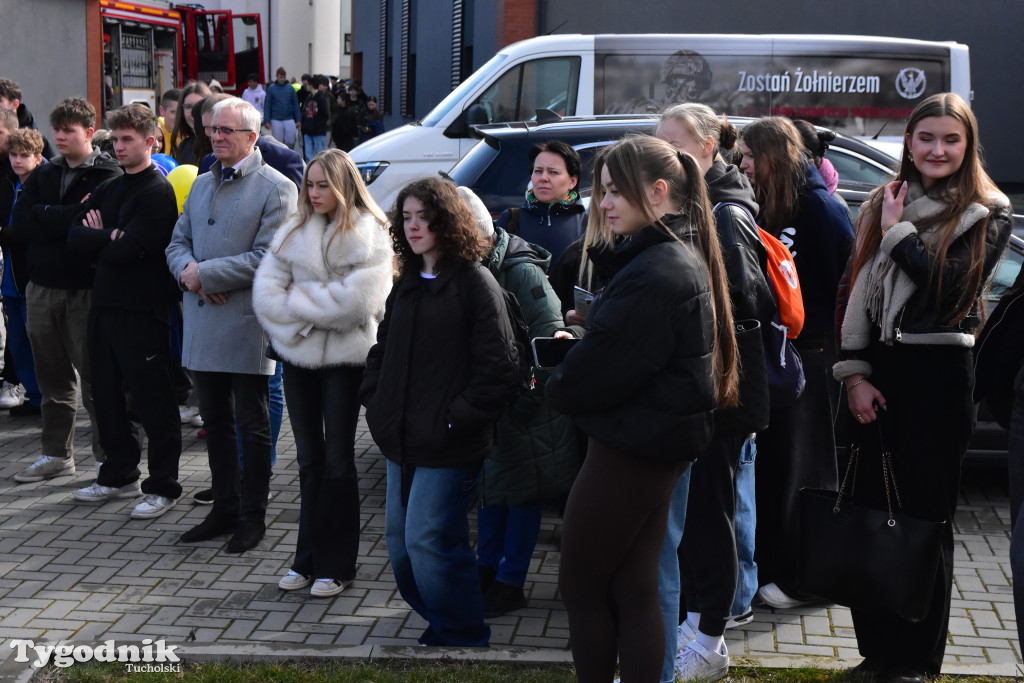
point(245, 652)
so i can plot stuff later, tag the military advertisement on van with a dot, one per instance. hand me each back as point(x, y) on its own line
point(851, 95)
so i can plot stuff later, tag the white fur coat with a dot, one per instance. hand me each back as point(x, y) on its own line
point(318, 312)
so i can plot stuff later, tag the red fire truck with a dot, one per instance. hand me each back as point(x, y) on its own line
point(148, 49)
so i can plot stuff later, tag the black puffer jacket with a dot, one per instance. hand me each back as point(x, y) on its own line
point(442, 371)
point(641, 379)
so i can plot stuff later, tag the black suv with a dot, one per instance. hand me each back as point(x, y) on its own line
point(497, 169)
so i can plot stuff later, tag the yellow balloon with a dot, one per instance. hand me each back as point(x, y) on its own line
point(181, 179)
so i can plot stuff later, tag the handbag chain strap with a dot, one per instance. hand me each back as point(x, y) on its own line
point(888, 476)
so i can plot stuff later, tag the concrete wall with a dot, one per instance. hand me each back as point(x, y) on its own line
point(988, 27)
point(44, 51)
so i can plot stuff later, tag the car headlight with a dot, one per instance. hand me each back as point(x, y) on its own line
point(370, 170)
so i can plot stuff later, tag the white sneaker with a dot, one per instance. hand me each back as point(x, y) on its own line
point(773, 596)
point(186, 413)
point(46, 467)
point(196, 420)
point(686, 633)
point(697, 663)
point(94, 492)
point(326, 588)
point(293, 581)
point(11, 395)
point(152, 505)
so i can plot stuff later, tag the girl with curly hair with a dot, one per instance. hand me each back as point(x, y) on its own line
point(441, 373)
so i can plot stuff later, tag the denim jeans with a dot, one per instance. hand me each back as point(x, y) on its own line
point(16, 307)
point(313, 145)
point(433, 562)
point(1016, 468)
point(507, 537)
point(668, 574)
point(324, 410)
point(746, 524)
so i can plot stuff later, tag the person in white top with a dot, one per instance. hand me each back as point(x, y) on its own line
point(254, 94)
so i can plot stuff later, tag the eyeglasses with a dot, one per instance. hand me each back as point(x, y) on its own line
point(223, 130)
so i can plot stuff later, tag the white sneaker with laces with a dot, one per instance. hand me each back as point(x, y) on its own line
point(293, 581)
point(94, 492)
point(686, 633)
point(11, 395)
point(186, 413)
point(326, 588)
point(45, 467)
point(697, 663)
point(773, 596)
point(152, 505)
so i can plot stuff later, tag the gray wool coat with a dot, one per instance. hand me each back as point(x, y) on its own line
point(226, 228)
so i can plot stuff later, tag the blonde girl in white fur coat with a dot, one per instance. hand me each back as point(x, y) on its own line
point(320, 293)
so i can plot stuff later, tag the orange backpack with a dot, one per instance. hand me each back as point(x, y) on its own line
point(785, 284)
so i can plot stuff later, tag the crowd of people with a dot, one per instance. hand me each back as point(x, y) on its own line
point(279, 282)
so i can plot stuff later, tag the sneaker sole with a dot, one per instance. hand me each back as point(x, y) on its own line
point(124, 495)
point(151, 515)
point(330, 594)
point(32, 478)
point(294, 587)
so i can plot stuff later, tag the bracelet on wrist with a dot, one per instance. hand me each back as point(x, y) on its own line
point(856, 384)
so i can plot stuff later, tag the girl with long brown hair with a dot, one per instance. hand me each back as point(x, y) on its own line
point(926, 244)
point(658, 356)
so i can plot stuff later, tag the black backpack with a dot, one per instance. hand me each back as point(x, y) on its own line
point(521, 339)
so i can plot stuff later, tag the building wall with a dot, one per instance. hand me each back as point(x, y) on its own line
point(987, 27)
point(45, 77)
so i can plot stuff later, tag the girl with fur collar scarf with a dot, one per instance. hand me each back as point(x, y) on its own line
point(320, 293)
point(926, 244)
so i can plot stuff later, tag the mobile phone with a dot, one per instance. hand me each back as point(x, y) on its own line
point(549, 352)
point(582, 299)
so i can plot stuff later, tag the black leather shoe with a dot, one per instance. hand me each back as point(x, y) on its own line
point(211, 527)
point(868, 670)
point(901, 675)
point(502, 598)
point(247, 536)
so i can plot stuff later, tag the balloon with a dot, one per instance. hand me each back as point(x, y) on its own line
point(165, 161)
point(181, 179)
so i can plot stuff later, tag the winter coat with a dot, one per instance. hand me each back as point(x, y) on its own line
point(999, 354)
point(281, 103)
point(820, 237)
point(641, 379)
point(552, 226)
point(535, 454)
point(315, 115)
point(15, 255)
point(323, 311)
point(280, 158)
point(226, 228)
point(50, 199)
point(443, 370)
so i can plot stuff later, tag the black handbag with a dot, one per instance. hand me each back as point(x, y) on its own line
point(752, 412)
point(878, 561)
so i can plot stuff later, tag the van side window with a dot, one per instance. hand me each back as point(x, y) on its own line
point(539, 84)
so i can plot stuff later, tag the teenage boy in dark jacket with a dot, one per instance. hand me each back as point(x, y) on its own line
point(59, 292)
point(125, 227)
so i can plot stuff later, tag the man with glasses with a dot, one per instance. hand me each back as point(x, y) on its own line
point(228, 222)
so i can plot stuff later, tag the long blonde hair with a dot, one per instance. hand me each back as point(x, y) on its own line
point(638, 161)
point(346, 183)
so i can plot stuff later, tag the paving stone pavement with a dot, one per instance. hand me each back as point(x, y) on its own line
point(87, 572)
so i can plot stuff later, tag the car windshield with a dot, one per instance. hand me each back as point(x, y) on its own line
point(441, 110)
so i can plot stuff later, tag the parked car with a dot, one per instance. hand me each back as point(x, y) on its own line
point(497, 169)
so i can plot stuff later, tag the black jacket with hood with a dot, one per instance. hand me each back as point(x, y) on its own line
point(50, 199)
point(641, 378)
point(26, 120)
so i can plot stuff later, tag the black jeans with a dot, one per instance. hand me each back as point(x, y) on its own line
point(928, 422)
point(129, 350)
point(708, 560)
point(324, 409)
point(241, 495)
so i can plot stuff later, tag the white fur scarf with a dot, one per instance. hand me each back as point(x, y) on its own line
point(882, 289)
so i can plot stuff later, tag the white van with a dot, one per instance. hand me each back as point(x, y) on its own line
point(856, 85)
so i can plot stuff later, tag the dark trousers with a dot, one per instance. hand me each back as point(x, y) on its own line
point(236, 494)
point(797, 450)
point(927, 424)
point(615, 522)
point(129, 351)
point(324, 409)
point(708, 560)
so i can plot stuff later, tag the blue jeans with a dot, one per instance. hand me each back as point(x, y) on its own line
point(433, 562)
point(1016, 469)
point(668, 574)
point(745, 523)
point(313, 145)
point(21, 351)
point(507, 537)
point(275, 406)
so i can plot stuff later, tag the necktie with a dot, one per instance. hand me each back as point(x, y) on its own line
point(228, 174)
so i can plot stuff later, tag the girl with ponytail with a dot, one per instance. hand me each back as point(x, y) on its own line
point(657, 358)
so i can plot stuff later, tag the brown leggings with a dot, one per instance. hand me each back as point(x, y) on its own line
point(614, 527)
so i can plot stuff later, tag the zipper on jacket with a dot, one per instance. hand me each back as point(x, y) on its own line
point(899, 335)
